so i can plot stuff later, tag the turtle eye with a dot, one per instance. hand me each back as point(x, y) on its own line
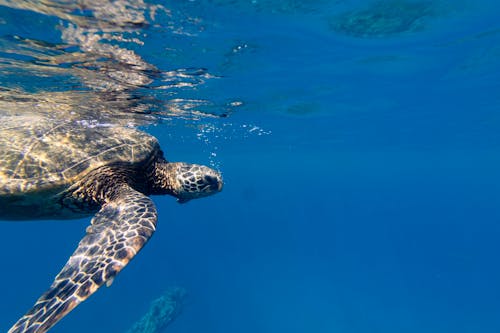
point(210, 180)
point(213, 183)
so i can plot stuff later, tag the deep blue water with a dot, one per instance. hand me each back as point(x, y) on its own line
point(361, 174)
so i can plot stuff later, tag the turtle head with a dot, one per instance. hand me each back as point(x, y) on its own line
point(186, 181)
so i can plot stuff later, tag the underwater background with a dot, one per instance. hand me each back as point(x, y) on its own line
point(358, 141)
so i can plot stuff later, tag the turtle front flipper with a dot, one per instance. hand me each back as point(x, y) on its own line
point(117, 232)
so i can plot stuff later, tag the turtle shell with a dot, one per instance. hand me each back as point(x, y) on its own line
point(39, 153)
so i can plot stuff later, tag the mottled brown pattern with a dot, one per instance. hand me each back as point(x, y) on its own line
point(118, 231)
point(39, 155)
point(67, 169)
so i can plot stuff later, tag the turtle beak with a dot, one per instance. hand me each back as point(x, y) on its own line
point(220, 184)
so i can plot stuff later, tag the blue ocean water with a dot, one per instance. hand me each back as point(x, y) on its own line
point(358, 142)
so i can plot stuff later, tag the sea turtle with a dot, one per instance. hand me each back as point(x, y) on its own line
point(62, 169)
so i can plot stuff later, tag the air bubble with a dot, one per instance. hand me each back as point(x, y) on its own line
point(212, 133)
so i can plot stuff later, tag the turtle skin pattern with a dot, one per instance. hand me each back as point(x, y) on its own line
point(116, 234)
